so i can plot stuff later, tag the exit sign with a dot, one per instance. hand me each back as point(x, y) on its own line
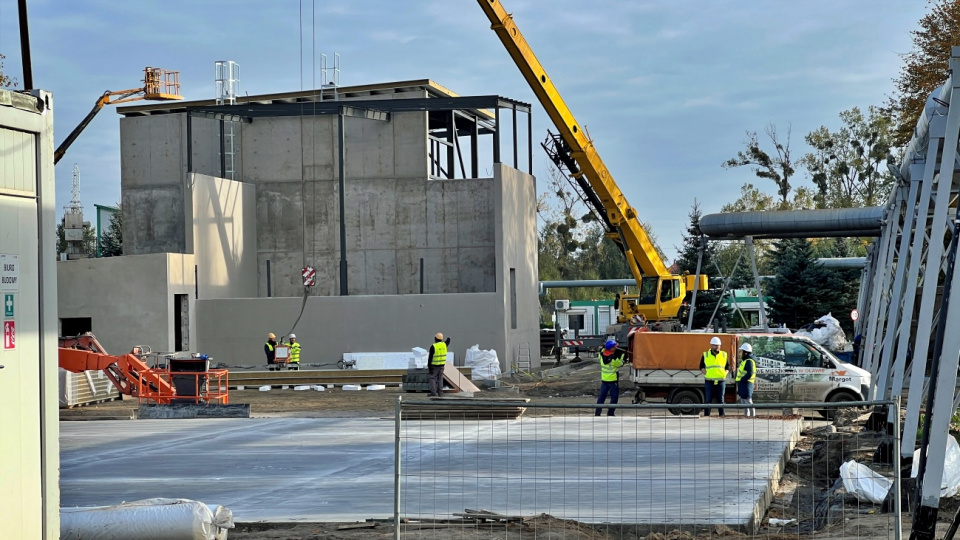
point(8, 305)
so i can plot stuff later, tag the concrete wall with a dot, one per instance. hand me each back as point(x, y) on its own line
point(152, 171)
point(224, 237)
point(516, 219)
point(234, 331)
point(129, 299)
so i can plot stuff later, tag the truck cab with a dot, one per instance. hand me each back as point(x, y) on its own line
point(793, 368)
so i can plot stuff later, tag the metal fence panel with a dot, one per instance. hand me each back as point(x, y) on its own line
point(499, 470)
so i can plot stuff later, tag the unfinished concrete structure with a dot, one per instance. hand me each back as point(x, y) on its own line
point(395, 193)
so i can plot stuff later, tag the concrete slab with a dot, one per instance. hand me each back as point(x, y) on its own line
point(643, 470)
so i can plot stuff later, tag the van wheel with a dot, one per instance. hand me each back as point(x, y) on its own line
point(837, 397)
point(685, 397)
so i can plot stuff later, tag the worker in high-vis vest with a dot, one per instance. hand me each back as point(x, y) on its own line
point(713, 365)
point(270, 349)
point(611, 360)
point(294, 361)
point(437, 356)
point(746, 377)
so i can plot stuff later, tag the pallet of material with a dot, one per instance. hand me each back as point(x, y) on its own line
point(85, 388)
point(450, 408)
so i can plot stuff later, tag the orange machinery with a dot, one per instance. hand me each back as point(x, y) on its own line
point(133, 377)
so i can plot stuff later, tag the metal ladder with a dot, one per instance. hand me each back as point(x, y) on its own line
point(523, 357)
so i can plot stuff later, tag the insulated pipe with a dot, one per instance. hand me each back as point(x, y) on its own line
point(917, 147)
point(838, 222)
point(843, 262)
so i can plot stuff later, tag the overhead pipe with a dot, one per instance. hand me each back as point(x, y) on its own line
point(827, 223)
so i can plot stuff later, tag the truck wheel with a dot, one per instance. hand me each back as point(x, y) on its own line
point(685, 397)
point(837, 397)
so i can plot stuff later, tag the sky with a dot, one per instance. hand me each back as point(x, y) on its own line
point(668, 89)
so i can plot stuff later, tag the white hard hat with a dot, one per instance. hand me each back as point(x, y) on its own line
point(746, 347)
point(293, 336)
point(715, 340)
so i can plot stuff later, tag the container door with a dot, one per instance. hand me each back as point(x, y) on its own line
point(20, 472)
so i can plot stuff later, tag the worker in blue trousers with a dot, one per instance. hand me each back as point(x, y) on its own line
point(611, 360)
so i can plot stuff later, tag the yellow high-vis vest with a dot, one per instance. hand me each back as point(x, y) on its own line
point(742, 370)
point(716, 365)
point(294, 353)
point(439, 354)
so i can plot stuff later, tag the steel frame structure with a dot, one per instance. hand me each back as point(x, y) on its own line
point(910, 295)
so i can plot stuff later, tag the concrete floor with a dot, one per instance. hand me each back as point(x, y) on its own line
point(624, 469)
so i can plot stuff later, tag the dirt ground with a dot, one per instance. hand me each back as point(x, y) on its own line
point(829, 514)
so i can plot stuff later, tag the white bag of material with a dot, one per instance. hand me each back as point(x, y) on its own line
point(950, 485)
point(484, 364)
point(351, 387)
point(864, 483)
point(376, 387)
point(265, 388)
point(153, 519)
point(829, 334)
point(319, 388)
point(419, 358)
point(301, 387)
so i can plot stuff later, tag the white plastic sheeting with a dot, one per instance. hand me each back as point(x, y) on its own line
point(147, 519)
point(862, 482)
point(484, 364)
point(950, 485)
point(828, 333)
point(416, 358)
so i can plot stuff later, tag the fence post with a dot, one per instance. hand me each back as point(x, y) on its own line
point(897, 517)
point(396, 471)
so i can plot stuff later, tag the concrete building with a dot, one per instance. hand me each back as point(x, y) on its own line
point(396, 194)
point(29, 425)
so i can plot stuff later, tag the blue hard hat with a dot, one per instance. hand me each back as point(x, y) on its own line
point(610, 344)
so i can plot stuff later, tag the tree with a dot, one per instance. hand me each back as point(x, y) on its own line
point(849, 166)
point(777, 167)
point(803, 291)
point(924, 68)
point(6, 81)
point(111, 240)
point(689, 254)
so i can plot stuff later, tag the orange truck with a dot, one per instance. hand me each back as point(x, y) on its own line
point(790, 369)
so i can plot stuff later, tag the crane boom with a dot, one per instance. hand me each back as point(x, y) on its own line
point(661, 294)
point(618, 210)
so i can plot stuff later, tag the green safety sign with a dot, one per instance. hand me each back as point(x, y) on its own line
point(8, 305)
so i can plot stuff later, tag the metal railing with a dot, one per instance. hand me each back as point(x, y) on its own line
point(559, 469)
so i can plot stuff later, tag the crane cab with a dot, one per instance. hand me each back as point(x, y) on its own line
point(660, 298)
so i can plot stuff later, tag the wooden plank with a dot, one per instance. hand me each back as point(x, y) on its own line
point(368, 525)
point(456, 379)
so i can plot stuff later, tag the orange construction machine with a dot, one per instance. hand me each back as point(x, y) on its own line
point(178, 381)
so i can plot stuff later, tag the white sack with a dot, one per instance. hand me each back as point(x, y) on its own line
point(864, 483)
point(149, 519)
point(351, 387)
point(830, 335)
point(375, 387)
point(484, 364)
point(265, 388)
point(950, 485)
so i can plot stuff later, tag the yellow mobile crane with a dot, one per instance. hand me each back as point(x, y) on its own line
point(158, 85)
point(661, 293)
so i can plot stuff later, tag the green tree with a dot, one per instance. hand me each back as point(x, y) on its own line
point(849, 166)
point(686, 262)
point(924, 68)
point(111, 241)
point(777, 166)
point(5, 80)
point(803, 291)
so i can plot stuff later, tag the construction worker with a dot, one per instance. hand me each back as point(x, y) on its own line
point(294, 361)
point(746, 377)
point(714, 366)
point(437, 356)
point(611, 361)
point(270, 349)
